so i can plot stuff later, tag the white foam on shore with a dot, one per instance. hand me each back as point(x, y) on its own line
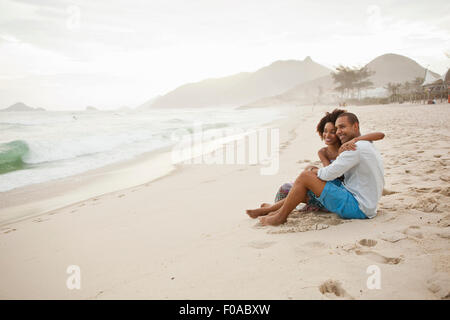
point(63, 144)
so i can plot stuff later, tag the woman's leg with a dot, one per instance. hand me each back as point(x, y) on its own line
point(266, 208)
point(283, 191)
point(255, 213)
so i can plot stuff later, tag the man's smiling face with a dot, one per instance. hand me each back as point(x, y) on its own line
point(346, 131)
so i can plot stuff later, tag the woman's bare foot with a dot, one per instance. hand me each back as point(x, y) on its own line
point(255, 213)
point(265, 204)
point(273, 219)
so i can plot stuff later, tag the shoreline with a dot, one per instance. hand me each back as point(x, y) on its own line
point(34, 200)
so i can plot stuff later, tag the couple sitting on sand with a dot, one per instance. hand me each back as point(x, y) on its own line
point(347, 153)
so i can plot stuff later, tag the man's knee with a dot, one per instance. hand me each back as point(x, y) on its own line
point(305, 176)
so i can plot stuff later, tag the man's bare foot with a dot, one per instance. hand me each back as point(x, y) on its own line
point(255, 213)
point(272, 220)
point(265, 204)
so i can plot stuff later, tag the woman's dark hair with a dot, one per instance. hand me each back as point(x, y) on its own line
point(329, 117)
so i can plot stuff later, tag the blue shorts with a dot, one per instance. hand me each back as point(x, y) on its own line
point(339, 200)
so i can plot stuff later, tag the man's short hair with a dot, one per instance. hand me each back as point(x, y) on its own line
point(352, 118)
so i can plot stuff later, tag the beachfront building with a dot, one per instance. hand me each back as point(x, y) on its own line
point(436, 87)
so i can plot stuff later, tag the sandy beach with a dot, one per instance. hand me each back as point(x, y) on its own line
point(186, 235)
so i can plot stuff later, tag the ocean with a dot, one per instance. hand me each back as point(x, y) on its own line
point(40, 146)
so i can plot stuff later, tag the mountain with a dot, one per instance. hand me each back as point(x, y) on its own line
point(20, 106)
point(242, 87)
point(304, 93)
point(148, 103)
point(394, 68)
point(388, 68)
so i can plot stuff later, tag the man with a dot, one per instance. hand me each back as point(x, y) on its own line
point(357, 197)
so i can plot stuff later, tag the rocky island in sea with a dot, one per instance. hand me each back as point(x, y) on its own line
point(20, 106)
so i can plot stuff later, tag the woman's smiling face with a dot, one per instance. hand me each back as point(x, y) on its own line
point(329, 134)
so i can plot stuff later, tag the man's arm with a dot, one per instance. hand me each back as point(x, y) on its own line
point(344, 162)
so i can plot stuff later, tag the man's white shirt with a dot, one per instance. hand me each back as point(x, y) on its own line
point(363, 175)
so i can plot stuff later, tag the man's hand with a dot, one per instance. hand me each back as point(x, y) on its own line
point(348, 146)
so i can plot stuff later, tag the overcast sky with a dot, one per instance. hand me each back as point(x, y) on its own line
point(62, 55)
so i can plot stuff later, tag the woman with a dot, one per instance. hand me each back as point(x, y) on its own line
point(327, 132)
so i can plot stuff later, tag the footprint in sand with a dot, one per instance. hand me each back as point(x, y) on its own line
point(445, 233)
point(120, 196)
point(284, 145)
point(374, 256)
point(333, 289)
point(97, 295)
point(368, 242)
point(39, 220)
point(444, 191)
point(261, 244)
point(444, 222)
point(439, 284)
point(421, 190)
point(414, 232)
point(387, 192)
point(393, 237)
point(426, 204)
point(442, 163)
point(8, 230)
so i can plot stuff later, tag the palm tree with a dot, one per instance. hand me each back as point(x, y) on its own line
point(344, 76)
point(393, 89)
point(362, 82)
point(417, 87)
point(405, 90)
point(351, 79)
point(319, 94)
